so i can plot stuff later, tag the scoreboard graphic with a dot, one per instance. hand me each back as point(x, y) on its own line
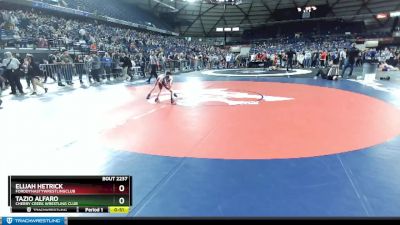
point(70, 194)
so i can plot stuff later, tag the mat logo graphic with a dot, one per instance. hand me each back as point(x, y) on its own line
point(253, 71)
point(9, 220)
point(218, 95)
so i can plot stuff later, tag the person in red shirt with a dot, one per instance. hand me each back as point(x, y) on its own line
point(259, 57)
point(323, 56)
point(263, 57)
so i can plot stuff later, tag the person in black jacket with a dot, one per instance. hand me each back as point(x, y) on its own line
point(290, 55)
point(352, 54)
point(142, 63)
point(126, 65)
point(34, 74)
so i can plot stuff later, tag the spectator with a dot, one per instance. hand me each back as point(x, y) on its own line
point(290, 54)
point(34, 74)
point(352, 54)
point(126, 66)
point(96, 66)
point(107, 63)
point(153, 66)
point(307, 59)
point(67, 66)
point(11, 73)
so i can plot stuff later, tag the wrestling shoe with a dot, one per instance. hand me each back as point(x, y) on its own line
point(148, 96)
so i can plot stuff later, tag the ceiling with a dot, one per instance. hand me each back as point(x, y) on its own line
point(201, 18)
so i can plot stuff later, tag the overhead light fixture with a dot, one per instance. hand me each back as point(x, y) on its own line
point(307, 9)
point(394, 14)
point(227, 29)
point(381, 16)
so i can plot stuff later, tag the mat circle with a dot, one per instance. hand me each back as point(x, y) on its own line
point(313, 121)
point(256, 72)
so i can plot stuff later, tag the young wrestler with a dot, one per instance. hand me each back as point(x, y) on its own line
point(164, 81)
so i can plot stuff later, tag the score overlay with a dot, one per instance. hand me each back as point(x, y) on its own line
point(70, 194)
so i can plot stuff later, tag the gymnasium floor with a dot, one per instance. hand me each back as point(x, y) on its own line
point(232, 146)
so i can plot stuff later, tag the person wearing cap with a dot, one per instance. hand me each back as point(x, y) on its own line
point(11, 73)
point(164, 81)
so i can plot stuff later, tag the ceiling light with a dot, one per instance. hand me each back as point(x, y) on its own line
point(394, 14)
point(381, 16)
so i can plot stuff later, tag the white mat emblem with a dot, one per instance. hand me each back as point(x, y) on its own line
point(222, 95)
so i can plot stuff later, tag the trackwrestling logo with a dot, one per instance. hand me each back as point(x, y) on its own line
point(34, 220)
point(218, 95)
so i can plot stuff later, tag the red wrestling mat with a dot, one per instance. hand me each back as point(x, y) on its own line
point(253, 120)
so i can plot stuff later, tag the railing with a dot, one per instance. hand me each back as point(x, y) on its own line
point(107, 70)
point(89, 71)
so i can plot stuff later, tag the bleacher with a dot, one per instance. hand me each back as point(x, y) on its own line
point(118, 10)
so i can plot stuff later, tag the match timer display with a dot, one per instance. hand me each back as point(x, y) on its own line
point(70, 194)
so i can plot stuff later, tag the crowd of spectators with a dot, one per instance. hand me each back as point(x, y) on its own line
point(96, 49)
point(318, 52)
point(108, 51)
point(40, 30)
point(34, 29)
